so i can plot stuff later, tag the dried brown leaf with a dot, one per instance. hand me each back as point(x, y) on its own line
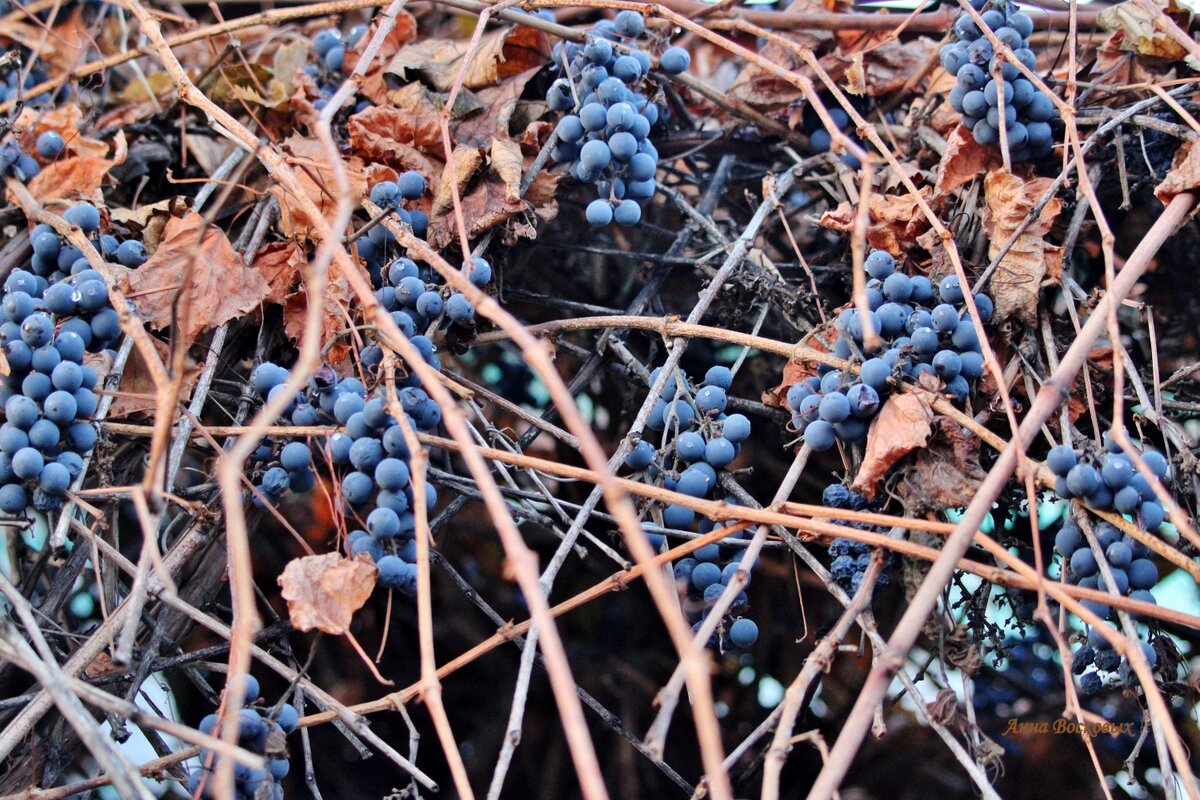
point(323, 592)
point(398, 138)
point(964, 160)
point(334, 317)
point(1144, 31)
point(946, 473)
point(877, 64)
point(279, 264)
point(315, 176)
point(464, 163)
point(498, 105)
point(222, 286)
point(500, 55)
point(73, 178)
point(1184, 175)
point(508, 163)
point(903, 425)
point(137, 388)
point(1017, 282)
point(894, 224)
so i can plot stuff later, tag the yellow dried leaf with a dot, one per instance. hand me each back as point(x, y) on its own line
point(323, 592)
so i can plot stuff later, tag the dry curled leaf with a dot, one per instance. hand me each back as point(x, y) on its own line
point(464, 163)
point(946, 473)
point(334, 317)
point(1017, 281)
point(508, 163)
point(279, 264)
point(138, 392)
point(73, 178)
point(895, 221)
point(903, 425)
point(404, 138)
point(1146, 29)
point(500, 55)
point(323, 592)
point(221, 288)
point(1184, 175)
point(964, 160)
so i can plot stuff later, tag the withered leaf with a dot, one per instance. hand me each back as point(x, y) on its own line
point(508, 163)
point(279, 264)
point(397, 137)
point(253, 83)
point(316, 178)
point(323, 592)
point(500, 55)
point(894, 224)
point(464, 163)
point(1146, 29)
point(1184, 175)
point(499, 104)
point(137, 388)
point(334, 317)
point(1017, 281)
point(903, 425)
point(946, 473)
point(222, 287)
point(72, 178)
point(964, 160)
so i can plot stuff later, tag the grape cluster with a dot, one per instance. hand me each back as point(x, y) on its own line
point(50, 317)
point(390, 195)
point(609, 113)
point(371, 456)
point(261, 730)
point(1108, 479)
point(10, 92)
point(702, 579)
point(330, 46)
point(851, 558)
point(920, 338)
point(1026, 112)
point(417, 302)
point(698, 440)
point(820, 140)
point(23, 166)
point(1134, 575)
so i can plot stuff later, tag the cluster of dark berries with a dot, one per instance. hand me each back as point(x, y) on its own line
point(10, 92)
point(391, 195)
point(698, 440)
point(702, 578)
point(987, 100)
point(851, 558)
point(51, 316)
point(820, 140)
point(1133, 575)
point(1108, 479)
point(371, 457)
point(329, 46)
point(417, 302)
point(606, 94)
point(919, 336)
point(261, 730)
